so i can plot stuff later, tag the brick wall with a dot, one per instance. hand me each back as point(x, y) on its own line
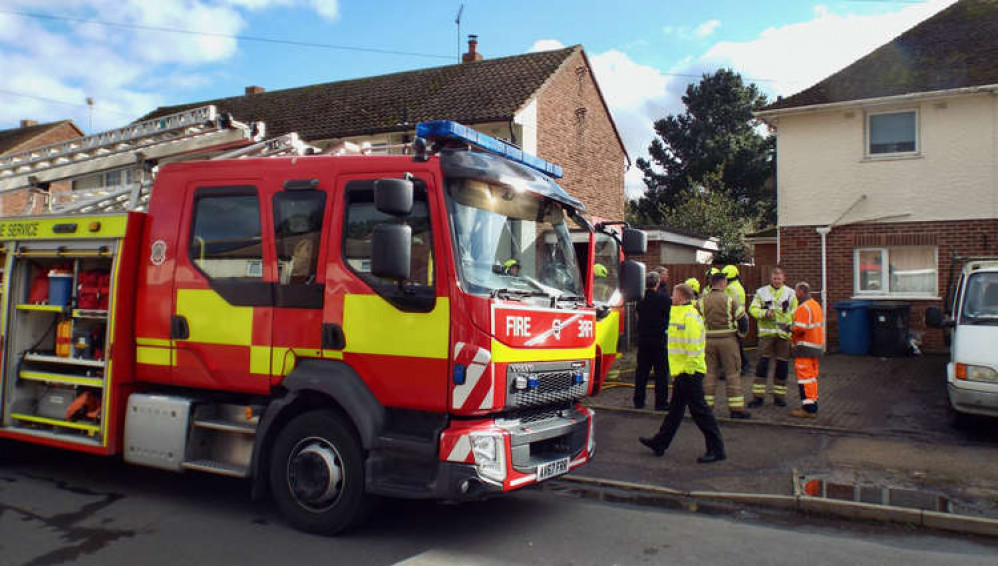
point(576, 132)
point(14, 204)
point(800, 255)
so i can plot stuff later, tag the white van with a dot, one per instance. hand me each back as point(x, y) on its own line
point(971, 324)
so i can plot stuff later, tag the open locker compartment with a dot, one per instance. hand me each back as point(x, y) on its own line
point(55, 375)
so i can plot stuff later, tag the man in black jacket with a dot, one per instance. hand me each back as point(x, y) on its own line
point(653, 318)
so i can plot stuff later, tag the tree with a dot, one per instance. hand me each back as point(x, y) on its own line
point(715, 145)
point(708, 212)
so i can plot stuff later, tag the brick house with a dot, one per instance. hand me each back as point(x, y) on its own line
point(890, 166)
point(548, 103)
point(31, 135)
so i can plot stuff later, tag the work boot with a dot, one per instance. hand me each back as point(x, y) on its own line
point(709, 458)
point(779, 401)
point(802, 414)
point(740, 415)
point(755, 403)
point(651, 444)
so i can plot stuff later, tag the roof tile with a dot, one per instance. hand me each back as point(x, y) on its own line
point(956, 48)
point(483, 91)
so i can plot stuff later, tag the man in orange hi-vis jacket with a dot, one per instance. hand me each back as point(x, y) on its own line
point(808, 341)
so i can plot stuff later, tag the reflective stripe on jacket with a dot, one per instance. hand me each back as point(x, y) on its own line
point(721, 313)
point(808, 333)
point(736, 291)
point(769, 299)
point(687, 342)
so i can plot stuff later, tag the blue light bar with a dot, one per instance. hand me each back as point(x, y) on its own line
point(449, 130)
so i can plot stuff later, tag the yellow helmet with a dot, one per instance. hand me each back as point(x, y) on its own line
point(692, 282)
point(711, 271)
point(599, 270)
point(730, 271)
point(508, 264)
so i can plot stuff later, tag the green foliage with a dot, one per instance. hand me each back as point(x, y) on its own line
point(714, 149)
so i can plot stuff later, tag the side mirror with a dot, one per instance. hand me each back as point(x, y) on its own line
point(391, 249)
point(393, 196)
point(635, 242)
point(935, 318)
point(632, 280)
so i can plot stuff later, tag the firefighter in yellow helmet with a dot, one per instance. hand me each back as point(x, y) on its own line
point(695, 285)
point(711, 271)
point(511, 267)
point(737, 292)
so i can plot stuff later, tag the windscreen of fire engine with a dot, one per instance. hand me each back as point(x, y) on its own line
point(511, 242)
point(980, 304)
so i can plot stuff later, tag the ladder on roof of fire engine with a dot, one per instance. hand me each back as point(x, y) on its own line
point(135, 196)
point(189, 131)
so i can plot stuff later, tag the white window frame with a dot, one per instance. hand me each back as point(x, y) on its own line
point(884, 292)
point(869, 138)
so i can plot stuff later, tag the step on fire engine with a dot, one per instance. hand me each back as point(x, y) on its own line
point(331, 327)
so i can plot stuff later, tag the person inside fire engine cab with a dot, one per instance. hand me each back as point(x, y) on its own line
point(511, 267)
point(492, 221)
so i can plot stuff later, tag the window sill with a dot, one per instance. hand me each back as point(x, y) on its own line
point(891, 157)
point(895, 297)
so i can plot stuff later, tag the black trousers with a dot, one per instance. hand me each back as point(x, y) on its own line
point(687, 391)
point(652, 355)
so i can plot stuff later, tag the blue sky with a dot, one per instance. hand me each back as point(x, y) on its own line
point(53, 56)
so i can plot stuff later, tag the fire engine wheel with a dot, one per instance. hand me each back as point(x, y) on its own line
point(317, 473)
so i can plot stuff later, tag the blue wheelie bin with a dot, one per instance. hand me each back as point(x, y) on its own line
point(854, 327)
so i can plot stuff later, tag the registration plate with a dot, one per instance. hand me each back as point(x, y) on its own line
point(552, 469)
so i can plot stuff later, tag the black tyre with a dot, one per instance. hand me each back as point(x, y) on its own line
point(317, 474)
point(957, 420)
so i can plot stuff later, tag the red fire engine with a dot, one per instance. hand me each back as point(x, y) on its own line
point(332, 327)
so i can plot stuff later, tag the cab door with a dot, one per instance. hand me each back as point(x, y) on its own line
point(223, 289)
point(394, 335)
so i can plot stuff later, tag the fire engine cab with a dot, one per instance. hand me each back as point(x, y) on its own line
point(334, 327)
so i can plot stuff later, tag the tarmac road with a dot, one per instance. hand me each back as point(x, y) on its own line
point(60, 508)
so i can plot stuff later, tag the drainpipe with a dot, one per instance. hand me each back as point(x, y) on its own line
point(823, 231)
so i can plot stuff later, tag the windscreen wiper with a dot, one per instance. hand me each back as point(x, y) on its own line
point(507, 293)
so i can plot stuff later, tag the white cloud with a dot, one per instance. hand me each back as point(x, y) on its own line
point(545, 45)
point(637, 96)
point(796, 56)
point(47, 75)
point(707, 28)
point(701, 31)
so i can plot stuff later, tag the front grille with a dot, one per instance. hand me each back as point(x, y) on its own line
point(535, 415)
point(552, 387)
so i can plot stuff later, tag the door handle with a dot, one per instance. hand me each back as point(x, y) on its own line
point(179, 329)
point(333, 337)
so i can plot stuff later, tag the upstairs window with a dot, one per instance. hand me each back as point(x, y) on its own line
point(892, 133)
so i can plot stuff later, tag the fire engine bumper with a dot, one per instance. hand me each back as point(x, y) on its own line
point(481, 458)
point(508, 454)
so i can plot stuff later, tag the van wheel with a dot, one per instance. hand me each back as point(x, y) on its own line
point(957, 420)
point(317, 474)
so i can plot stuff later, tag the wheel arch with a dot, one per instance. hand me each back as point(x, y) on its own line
point(317, 384)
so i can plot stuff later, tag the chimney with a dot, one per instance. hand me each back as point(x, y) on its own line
point(255, 90)
point(472, 55)
point(25, 123)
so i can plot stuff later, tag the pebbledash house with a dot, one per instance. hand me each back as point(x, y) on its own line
point(548, 103)
point(889, 167)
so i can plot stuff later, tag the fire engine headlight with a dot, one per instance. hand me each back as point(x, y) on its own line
point(490, 456)
point(520, 382)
